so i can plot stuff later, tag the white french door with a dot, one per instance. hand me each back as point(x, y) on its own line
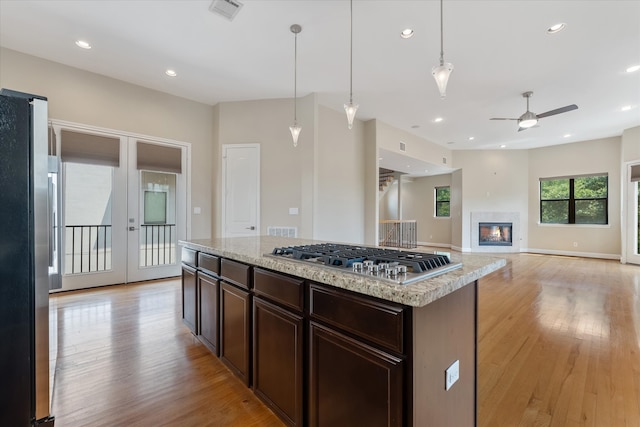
point(124, 206)
point(241, 190)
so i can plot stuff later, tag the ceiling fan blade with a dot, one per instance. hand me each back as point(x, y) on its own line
point(501, 118)
point(558, 111)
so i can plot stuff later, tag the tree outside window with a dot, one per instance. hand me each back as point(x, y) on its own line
point(443, 201)
point(574, 200)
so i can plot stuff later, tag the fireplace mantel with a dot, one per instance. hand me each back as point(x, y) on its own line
point(497, 217)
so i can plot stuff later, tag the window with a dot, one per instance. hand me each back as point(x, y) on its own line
point(443, 201)
point(575, 200)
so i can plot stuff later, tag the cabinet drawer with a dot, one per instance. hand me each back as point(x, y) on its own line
point(209, 263)
point(279, 288)
point(190, 257)
point(378, 322)
point(236, 272)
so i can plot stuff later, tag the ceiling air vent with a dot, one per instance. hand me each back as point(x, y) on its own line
point(226, 8)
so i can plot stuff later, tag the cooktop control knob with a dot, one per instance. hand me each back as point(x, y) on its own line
point(357, 267)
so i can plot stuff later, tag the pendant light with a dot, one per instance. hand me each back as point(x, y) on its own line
point(295, 129)
point(442, 72)
point(351, 108)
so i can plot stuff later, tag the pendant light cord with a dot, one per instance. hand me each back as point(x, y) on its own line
point(441, 36)
point(351, 56)
point(295, 80)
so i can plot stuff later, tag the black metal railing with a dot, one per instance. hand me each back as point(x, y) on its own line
point(157, 244)
point(88, 248)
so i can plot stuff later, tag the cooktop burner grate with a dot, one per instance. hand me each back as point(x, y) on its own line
point(345, 256)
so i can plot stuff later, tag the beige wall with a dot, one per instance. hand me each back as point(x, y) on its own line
point(493, 181)
point(286, 172)
point(340, 198)
point(91, 99)
point(587, 157)
point(456, 209)
point(417, 199)
point(389, 138)
point(371, 170)
point(631, 145)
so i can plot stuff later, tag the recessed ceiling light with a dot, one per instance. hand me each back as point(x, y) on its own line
point(556, 28)
point(83, 44)
point(633, 68)
point(379, 158)
point(438, 119)
point(503, 146)
point(471, 138)
point(408, 166)
point(171, 73)
point(407, 33)
point(566, 135)
point(626, 108)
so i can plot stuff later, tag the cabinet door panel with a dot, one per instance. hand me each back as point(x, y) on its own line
point(235, 306)
point(277, 360)
point(189, 298)
point(351, 383)
point(209, 311)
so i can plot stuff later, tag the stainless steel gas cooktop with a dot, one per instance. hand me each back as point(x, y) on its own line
point(390, 265)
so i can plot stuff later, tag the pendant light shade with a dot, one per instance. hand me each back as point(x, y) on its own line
point(295, 129)
point(295, 133)
point(443, 71)
point(351, 108)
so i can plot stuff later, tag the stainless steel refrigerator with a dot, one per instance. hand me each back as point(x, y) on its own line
point(25, 251)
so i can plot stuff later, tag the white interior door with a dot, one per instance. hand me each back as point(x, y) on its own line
point(241, 190)
point(633, 217)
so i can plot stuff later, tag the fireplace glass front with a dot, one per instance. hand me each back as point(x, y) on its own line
point(495, 233)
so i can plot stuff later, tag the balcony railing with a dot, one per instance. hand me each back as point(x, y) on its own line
point(398, 234)
point(157, 244)
point(88, 248)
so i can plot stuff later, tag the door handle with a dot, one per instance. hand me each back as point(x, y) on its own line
point(132, 228)
point(250, 228)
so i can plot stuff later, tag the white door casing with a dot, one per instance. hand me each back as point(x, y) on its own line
point(241, 190)
point(630, 229)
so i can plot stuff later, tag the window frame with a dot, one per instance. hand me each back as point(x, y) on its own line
point(571, 201)
point(436, 202)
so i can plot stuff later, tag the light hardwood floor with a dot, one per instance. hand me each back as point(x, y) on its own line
point(559, 345)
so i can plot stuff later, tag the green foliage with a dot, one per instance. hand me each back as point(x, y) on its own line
point(443, 201)
point(588, 194)
point(554, 189)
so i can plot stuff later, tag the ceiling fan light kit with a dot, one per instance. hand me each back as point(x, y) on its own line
point(530, 119)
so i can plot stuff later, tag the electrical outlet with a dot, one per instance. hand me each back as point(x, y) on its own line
point(452, 374)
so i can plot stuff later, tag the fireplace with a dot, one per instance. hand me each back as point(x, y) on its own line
point(495, 233)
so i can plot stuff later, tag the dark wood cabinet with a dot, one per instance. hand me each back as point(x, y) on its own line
point(235, 330)
point(278, 360)
point(351, 383)
point(190, 298)
point(209, 288)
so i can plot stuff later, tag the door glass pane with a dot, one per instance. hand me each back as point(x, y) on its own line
point(158, 213)
point(87, 218)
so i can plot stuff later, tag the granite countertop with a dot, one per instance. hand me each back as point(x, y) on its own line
point(251, 250)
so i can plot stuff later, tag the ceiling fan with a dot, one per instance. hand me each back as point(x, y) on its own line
point(529, 119)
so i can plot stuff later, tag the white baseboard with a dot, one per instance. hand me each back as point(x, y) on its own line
point(573, 253)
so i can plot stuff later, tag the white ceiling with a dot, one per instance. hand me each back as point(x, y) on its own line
point(499, 49)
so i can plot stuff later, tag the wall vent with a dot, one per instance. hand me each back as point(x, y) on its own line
point(403, 146)
point(226, 8)
point(282, 231)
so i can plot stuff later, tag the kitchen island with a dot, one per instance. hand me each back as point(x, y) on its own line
point(323, 347)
